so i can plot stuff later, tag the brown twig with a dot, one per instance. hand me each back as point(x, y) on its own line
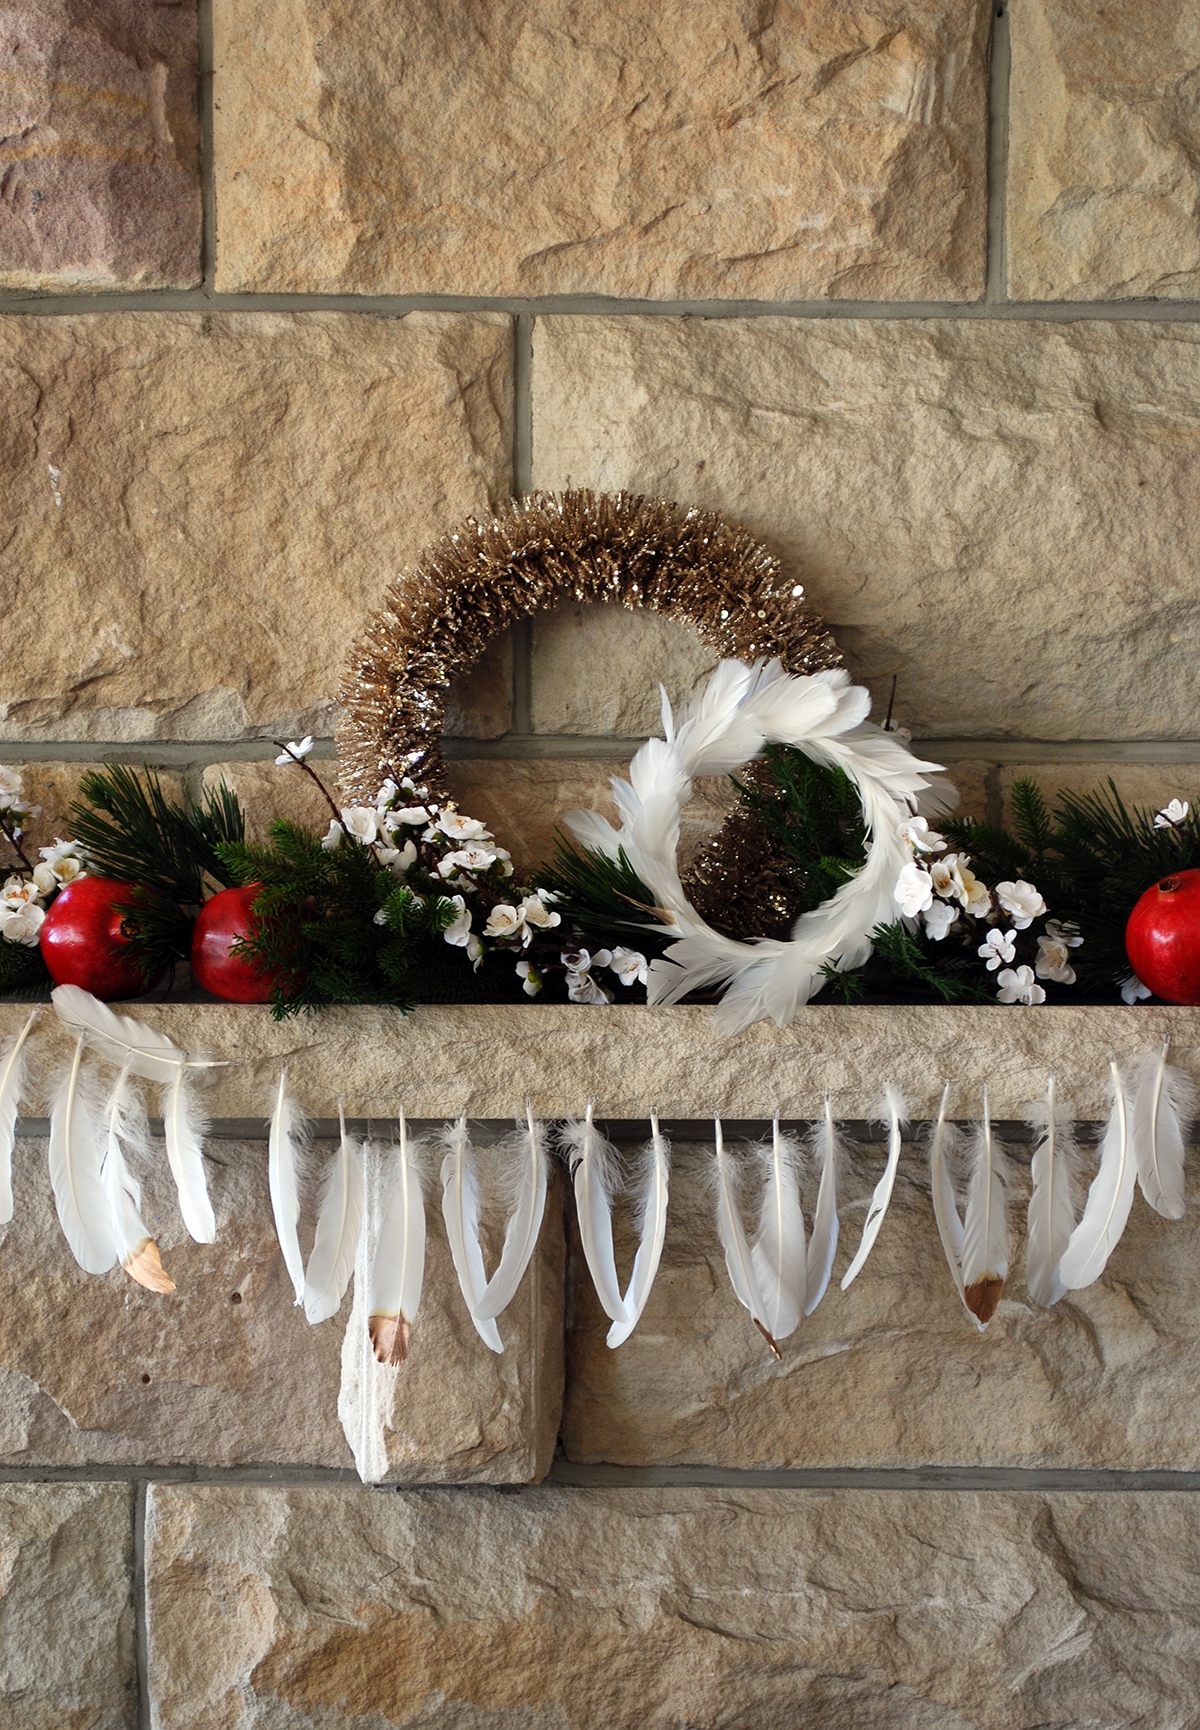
point(13, 837)
point(325, 793)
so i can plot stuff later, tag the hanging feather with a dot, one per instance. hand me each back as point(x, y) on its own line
point(894, 1107)
point(339, 1227)
point(1163, 1108)
point(460, 1211)
point(733, 1239)
point(1106, 1211)
point(778, 1253)
point(367, 1393)
point(122, 1040)
point(651, 1184)
point(1054, 1173)
point(12, 1079)
point(594, 1166)
point(943, 1151)
point(286, 1142)
point(828, 1147)
point(184, 1129)
point(398, 1256)
point(525, 1169)
point(985, 1228)
point(75, 1154)
point(126, 1127)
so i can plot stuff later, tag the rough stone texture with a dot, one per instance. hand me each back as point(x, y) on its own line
point(226, 1371)
point(660, 1608)
point(633, 149)
point(1005, 515)
point(485, 1059)
point(1148, 785)
point(1104, 151)
point(972, 780)
point(267, 792)
point(214, 504)
point(66, 1611)
point(893, 1372)
point(101, 177)
point(598, 670)
point(55, 786)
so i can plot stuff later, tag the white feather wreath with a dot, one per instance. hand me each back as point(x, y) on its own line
point(742, 709)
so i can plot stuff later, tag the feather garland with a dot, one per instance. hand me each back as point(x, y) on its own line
point(13, 1057)
point(594, 1167)
point(732, 1234)
point(121, 1039)
point(397, 1231)
point(822, 1247)
point(779, 1252)
point(287, 1140)
point(126, 1127)
point(184, 1129)
point(1106, 1211)
point(1054, 1174)
point(894, 1106)
point(943, 1148)
point(75, 1154)
point(339, 1227)
point(526, 1161)
point(985, 1228)
point(1164, 1106)
point(651, 1186)
point(367, 1391)
point(460, 1211)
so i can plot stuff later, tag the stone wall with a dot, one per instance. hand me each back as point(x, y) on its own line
point(287, 288)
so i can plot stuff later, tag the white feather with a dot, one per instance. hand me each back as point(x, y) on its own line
point(779, 1253)
point(732, 1234)
point(595, 1170)
point(1163, 1108)
point(122, 1040)
point(287, 1138)
point(985, 1229)
point(893, 1105)
point(184, 1128)
point(126, 1127)
point(460, 1211)
point(75, 1155)
point(1053, 1172)
point(12, 1080)
point(367, 1393)
point(339, 1227)
point(398, 1257)
point(1109, 1200)
point(526, 1165)
point(823, 1244)
point(943, 1150)
point(650, 1188)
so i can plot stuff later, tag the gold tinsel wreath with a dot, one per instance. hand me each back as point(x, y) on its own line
point(689, 565)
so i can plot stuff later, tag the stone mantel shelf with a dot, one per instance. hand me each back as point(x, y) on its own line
point(486, 1060)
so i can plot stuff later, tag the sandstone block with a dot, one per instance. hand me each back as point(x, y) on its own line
point(102, 174)
point(226, 1371)
point(1102, 161)
point(659, 1607)
point(598, 669)
point(892, 1372)
point(55, 787)
point(213, 505)
point(66, 1606)
point(630, 149)
point(1146, 786)
point(1003, 515)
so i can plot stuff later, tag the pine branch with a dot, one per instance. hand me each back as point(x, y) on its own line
point(131, 831)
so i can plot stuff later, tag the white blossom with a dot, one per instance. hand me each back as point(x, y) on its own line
point(938, 919)
point(1019, 986)
point(334, 836)
point(1054, 961)
point(381, 918)
point(946, 880)
point(460, 828)
point(45, 878)
point(534, 909)
point(1172, 815)
point(1132, 989)
point(298, 749)
point(996, 947)
point(580, 960)
point(19, 890)
point(532, 978)
point(20, 923)
point(467, 859)
point(412, 815)
point(62, 860)
point(914, 890)
point(1021, 901)
point(979, 897)
point(920, 837)
point(397, 859)
point(11, 784)
point(361, 821)
point(629, 967)
point(582, 988)
point(475, 950)
point(458, 931)
point(506, 921)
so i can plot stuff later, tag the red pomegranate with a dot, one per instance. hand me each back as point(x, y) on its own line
point(218, 966)
point(82, 943)
point(1162, 938)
